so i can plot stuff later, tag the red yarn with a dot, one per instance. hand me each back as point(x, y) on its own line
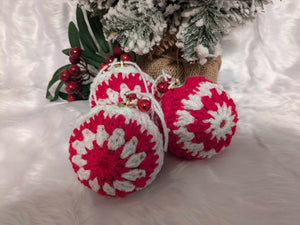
point(201, 118)
point(106, 164)
point(131, 81)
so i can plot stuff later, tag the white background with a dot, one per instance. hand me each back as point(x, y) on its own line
point(256, 181)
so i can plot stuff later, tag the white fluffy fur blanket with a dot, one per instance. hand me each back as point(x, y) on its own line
point(256, 181)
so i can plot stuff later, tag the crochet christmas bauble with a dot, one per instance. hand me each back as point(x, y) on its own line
point(201, 117)
point(116, 150)
point(110, 87)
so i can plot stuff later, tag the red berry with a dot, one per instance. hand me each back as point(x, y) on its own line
point(71, 97)
point(74, 70)
point(72, 86)
point(109, 59)
point(162, 87)
point(64, 75)
point(125, 57)
point(144, 105)
point(102, 65)
point(75, 52)
point(131, 97)
point(68, 90)
point(74, 60)
point(117, 51)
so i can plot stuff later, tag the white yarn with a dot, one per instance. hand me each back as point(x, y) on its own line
point(129, 147)
point(134, 174)
point(116, 140)
point(99, 78)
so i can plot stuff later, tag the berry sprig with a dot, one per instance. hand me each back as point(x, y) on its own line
point(75, 75)
point(119, 54)
point(89, 52)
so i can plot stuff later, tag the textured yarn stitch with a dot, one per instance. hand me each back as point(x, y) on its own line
point(201, 117)
point(111, 86)
point(116, 151)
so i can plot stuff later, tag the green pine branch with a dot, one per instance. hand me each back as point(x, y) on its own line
point(204, 29)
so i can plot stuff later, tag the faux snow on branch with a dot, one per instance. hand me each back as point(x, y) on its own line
point(136, 24)
point(96, 5)
point(139, 25)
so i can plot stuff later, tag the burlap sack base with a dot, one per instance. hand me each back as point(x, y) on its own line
point(153, 67)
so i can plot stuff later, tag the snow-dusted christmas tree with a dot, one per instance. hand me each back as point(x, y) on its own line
point(139, 25)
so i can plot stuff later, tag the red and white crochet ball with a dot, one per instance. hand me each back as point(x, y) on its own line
point(201, 117)
point(110, 87)
point(116, 151)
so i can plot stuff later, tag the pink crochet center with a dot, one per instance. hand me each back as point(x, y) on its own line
point(107, 165)
point(200, 128)
point(132, 81)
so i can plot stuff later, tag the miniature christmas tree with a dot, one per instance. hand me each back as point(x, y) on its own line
point(139, 25)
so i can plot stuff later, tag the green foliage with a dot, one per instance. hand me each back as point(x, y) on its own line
point(135, 24)
point(203, 30)
point(139, 25)
point(90, 57)
point(73, 34)
point(94, 50)
point(96, 27)
point(85, 36)
point(206, 21)
point(54, 80)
